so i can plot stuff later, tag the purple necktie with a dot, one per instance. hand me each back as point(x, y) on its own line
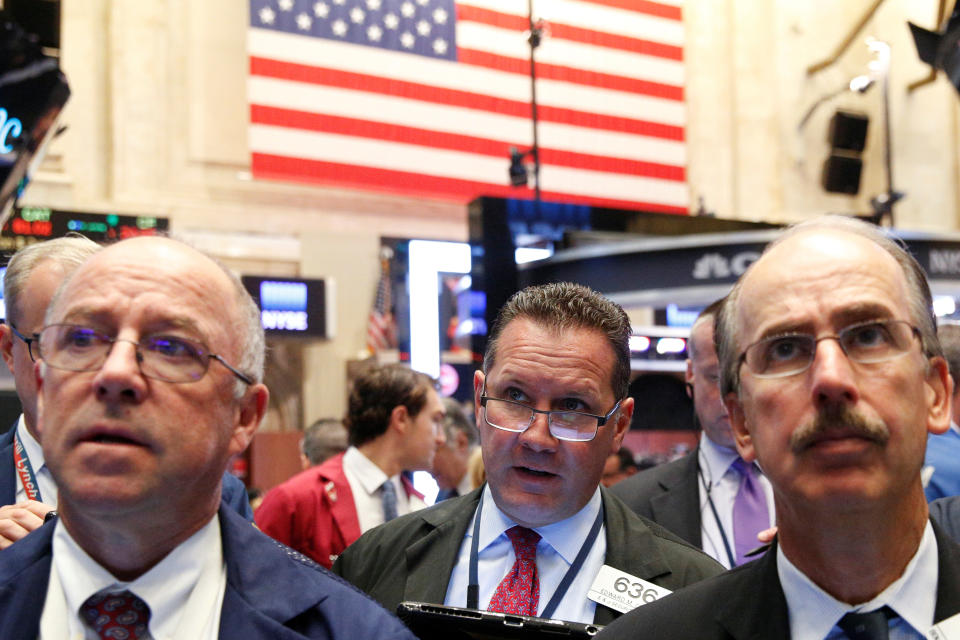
point(519, 591)
point(750, 513)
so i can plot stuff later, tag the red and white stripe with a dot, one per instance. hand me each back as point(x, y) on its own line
point(609, 92)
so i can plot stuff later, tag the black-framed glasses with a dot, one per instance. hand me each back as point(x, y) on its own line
point(863, 342)
point(28, 340)
point(574, 426)
point(162, 357)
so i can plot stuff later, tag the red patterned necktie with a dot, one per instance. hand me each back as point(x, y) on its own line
point(116, 616)
point(519, 591)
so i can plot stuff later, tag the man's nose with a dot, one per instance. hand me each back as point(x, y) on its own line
point(538, 436)
point(833, 379)
point(119, 377)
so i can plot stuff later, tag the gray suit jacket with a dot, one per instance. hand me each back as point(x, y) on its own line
point(669, 495)
point(411, 558)
point(747, 603)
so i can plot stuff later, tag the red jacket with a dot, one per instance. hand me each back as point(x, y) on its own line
point(314, 512)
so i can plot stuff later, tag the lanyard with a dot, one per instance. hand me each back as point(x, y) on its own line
point(473, 588)
point(25, 470)
point(707, 486)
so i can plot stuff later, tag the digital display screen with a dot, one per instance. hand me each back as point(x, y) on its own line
point(293, 307)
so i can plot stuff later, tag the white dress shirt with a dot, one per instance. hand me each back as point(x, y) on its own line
point(559, 545)
point(184, 590)
point(719, 482)
point(366, 479)
point(814, 612)
point(45, 481)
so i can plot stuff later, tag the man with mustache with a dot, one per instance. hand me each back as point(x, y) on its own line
point(541, 536)
point(832, 375)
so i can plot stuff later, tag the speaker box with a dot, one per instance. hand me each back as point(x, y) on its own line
point(848, 131)
point(841, 173)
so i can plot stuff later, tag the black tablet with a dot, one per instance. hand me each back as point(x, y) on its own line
point(440, 622)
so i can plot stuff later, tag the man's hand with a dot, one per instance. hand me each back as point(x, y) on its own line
point(765, 537)
point(17, 520)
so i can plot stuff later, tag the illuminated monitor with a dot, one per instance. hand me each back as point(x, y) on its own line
point(293, 307)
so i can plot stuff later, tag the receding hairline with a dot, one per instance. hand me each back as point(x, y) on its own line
point(142, 259)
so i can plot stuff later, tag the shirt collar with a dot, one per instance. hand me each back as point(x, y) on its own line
point(566, 537)
point(30, 445)
point(371, 476)
point(955, 427)
point(165, 588)
point(717, 459)
point(814, 612)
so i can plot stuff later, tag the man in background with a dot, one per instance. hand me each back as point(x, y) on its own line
point(711, 497)
point(394, 419)
point(27, 488)
point(321, 441)
point(618, 467)
point(450, 465)
point(551, 405)
point(144, 397)
point(942, 463)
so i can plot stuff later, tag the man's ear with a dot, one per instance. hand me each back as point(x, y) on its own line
point(399, 419)
point(938, 393)
point(6, 345)
point(252, 407)
point(622, 425)
point(738, 424)
point(478, 380)
point(38, 371)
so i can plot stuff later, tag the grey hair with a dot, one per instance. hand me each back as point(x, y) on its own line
point(949, 336)
point(565, 305)
point(709, 314)
point(68, 252)
point(919, 299)
point(454, 420)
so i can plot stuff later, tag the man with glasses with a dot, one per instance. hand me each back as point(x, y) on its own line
point(143, 400)
point(28, 491)
point(541, 538)
point(833, 376)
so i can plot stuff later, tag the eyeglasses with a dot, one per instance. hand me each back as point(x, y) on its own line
point(169, 358)
point(574, 426)
point(864, 342)
point(28, 341)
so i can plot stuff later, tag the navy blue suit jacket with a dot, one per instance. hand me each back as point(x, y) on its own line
point(273, 592)
point(234, 493)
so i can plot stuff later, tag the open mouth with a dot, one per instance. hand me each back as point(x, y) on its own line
point(536, 472)
point(109, 439)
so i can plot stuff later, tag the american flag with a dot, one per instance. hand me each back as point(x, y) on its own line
point(381, 326)
point(426, 97)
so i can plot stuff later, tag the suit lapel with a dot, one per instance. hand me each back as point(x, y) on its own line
point(252, 608)
point(8, 482)
point(336, 490)
point(948, 584)
point(431, 558)
point(24, 577)
point(629, 549)
point(677, 509)
point(756, 608)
